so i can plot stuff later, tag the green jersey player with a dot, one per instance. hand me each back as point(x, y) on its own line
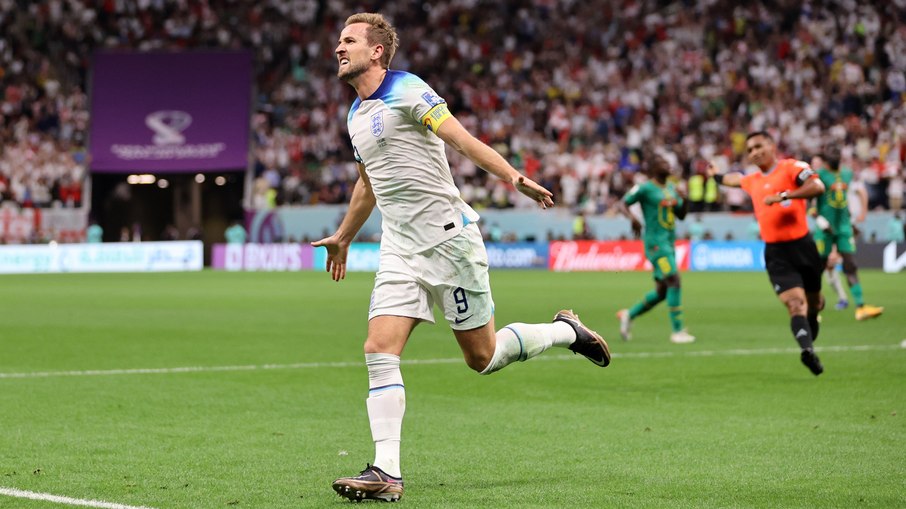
point(835, 229)
point(661, 204)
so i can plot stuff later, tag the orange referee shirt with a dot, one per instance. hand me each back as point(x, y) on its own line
point(784, 221)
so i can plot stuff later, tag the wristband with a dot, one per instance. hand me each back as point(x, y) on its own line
point(822, 223)
point(784, 195)
point(719, 178)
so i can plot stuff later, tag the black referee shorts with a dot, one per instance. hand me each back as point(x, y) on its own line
point(794, 264)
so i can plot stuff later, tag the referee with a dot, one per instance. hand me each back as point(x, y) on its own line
point(780, 192)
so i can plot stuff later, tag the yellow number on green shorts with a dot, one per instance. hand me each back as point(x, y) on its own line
point(664, 264)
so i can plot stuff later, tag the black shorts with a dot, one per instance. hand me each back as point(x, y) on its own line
point(794, 264)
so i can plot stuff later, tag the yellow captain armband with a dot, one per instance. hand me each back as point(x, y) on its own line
point(436, 116)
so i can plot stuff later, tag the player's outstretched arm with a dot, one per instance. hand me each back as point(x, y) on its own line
point(455, 135)
point(732, 179)
point(360, 206)
point(863, 201)
point(681, 209)
point(811, 188)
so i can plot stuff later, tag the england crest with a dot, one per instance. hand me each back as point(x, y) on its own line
point(377, 123)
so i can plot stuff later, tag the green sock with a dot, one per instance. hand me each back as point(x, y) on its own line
point(856, 290)
point(674, 300)
point(650, 300)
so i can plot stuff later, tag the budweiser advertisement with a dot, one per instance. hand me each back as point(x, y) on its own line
point(609, 256)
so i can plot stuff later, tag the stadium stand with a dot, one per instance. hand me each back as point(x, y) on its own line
point(560, 87)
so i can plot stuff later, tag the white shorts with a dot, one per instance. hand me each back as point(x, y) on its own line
point(454, 274)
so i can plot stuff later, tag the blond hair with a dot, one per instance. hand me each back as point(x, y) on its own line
point(380, 32)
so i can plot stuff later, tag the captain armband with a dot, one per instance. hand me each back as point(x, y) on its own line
point(436, 116)
point(804, 175)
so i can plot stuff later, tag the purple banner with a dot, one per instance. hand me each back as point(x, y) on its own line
point(262, 257)
point(170, 112)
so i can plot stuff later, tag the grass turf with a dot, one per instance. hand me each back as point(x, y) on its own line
point(733, 420)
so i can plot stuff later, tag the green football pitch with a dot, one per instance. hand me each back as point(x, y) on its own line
point(212, 390)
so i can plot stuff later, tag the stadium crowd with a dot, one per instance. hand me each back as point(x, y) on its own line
point(570, 91)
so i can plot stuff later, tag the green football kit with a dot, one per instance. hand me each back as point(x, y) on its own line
point(833, 205)
point(660, 204)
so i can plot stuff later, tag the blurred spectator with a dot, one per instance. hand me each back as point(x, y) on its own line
point(696, 196)
point(495, 233)
point(712, 195)
point(895, 191)
point(753, 232)
point(569, 91)
point(696, 228)
point(580, 227)
point(895, 228)
point(94, 234)
point(235, 234)
point(170, 233)
point(194, 233)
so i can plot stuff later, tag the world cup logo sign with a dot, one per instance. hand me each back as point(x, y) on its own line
point(168, 142)
point(168, 126)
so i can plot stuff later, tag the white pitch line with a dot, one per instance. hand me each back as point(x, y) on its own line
point(349, 364)
point(12, 492)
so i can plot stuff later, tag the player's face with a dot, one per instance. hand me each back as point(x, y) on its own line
point(760, 151)
point(353, 52)
point(660, 167)
point(817, 163)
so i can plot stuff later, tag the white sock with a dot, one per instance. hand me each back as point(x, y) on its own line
point(834, 279)
point(386, 405)
point(522, 341)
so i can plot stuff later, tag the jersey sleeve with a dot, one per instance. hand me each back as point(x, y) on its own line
point(746, 182)
point(426, 107)
point(349, 115)
point(633, 195)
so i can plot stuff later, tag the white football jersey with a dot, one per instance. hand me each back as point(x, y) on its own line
point(392, 134)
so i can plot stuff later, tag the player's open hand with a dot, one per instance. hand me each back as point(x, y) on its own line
point(636, 227)
point(336, 255)
point(534, 191)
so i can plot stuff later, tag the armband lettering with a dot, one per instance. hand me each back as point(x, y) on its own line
point(436, 116)
point(804, 175)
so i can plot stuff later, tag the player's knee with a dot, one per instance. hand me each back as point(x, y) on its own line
point(478, 361)
point(796, 306)
point(376, 345)
point(849, 265)
point(371, 346)
point(671, 281)
point(661, 289)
